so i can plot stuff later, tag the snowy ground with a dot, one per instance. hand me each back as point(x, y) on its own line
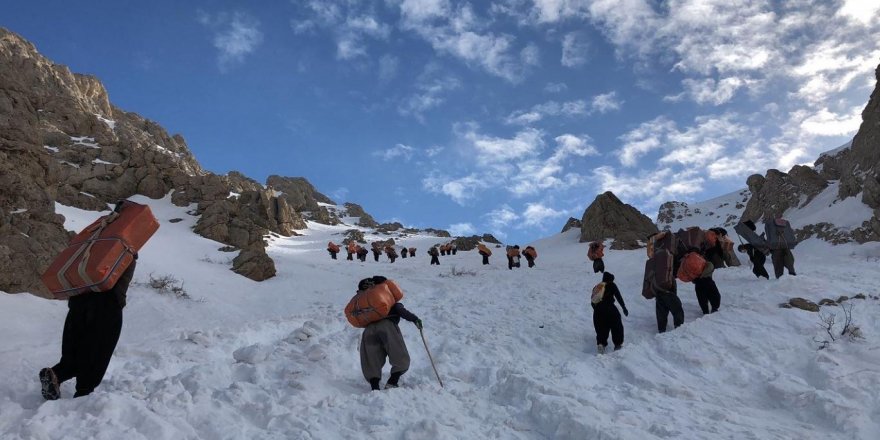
point(516, 350)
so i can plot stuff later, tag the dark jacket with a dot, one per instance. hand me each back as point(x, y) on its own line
point(399, 311)
point(611, 292)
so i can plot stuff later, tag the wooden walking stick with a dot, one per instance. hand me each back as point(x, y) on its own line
point(430, 358)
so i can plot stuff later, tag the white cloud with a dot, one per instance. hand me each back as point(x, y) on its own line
point(531, 55)
point(460, 33)
point(863, 11)
point(236, 36)
point(710, 91)
point(433, 151)
point(536, 214)
point(606, 102)
point(697, 145)
point(460, 190)
point(388, 65)
point(555, 87)
point(351, 24)
point(462, 229)
point(551, 108)
point(827, 123)
point(501, 217)
point(490, 149)
point(535, 175)
point(575, 48)
point(402, 151)
point(431, 89)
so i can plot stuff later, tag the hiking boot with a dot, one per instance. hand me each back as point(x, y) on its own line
point(618, 347)
point(49, 384)
point(600, 349)
point(390, 385)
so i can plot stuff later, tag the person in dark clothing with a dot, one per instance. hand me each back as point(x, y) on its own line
point(91, 331)
point(707, 291)
point(530, 254)
point(434, 253)
point(383, 339)
point(513, 256)
point(376, 253)
point(454, 249)
point(757, 258)
point(391, 253)
point(782, 260)
point(666, 303)
point(606, 318)
point(598, 265)
point(715, 254)
point(362, 254)
point(404, 253)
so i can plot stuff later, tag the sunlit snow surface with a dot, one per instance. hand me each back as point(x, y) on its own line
point(516, 350)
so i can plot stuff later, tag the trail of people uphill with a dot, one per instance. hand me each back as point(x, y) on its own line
point(515, 349)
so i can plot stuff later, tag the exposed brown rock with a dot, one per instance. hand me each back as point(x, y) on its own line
point(803, 304)
point(572, 223)
point(608, 217)
point(254, 264)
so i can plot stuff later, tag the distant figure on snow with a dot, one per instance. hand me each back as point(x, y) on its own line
point(453, 248)
point(352, 249)
point(91, 331)
point(485, 252)
point(513, 257)
point(333, 248)
point(412, 252)
point(434, 253)
point(531, 254)
point(362, 253)
point(381, 338)
point(606, 318)
point(781, 239)
point(391, 253)
point(404, 253)
point(376, 252)
point(595, 253)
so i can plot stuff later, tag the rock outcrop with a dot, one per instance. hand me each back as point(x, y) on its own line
point(254, 264)
point(608, 217)
point(61, 140)
point(778, 192)
point(470, 243)
point(572, 223)
point(364, 219)
point(303, 198)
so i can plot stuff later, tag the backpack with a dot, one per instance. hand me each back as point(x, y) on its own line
point(484, 250)
point(711, 238)
point(598, 293)
point(779, 234)
point(661, 240)
point(373, 304)
point(690, 239)
point(658, 274)
point(531, 252)
point(333, 247)
point(692, 266)
point(596, 251)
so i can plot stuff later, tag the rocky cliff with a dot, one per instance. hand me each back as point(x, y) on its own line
point(61, 140)
point(608, 217)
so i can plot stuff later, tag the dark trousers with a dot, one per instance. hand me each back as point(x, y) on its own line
point(435, 260)
point(667, 303)
point(606, 319)
point(403, 255)
point(510, 263)
point(485, 258)
point(332, 254)
point(758, 260)
point(91, 331)
point(707, 294)
point(531, 261)
point(454, 251)
point(349, 257)
point(782, 259)
point(392, 258)
point(376, 256)
point(598, 265)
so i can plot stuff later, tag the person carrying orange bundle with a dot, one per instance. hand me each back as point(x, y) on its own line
point(352, 249)
point(333, 249)
point(485, 252)
point(391, 253)
point(434, 253)
point(513, 257)
point(362, 253)
point(377, 309)
point(595, 254)
point(412, 252)
point(531, 254)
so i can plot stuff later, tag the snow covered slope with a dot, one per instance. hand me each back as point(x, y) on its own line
point(516, 350)
point(723, 211)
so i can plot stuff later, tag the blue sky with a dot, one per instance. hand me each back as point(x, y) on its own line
point(503, 116)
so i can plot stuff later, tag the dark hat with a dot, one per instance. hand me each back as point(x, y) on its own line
point(607, 277)
point(366, 284)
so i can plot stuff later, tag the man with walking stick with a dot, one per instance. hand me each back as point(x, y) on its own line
point(376, 308)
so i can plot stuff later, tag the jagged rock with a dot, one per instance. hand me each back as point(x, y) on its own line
point(571, 224)
point(175, 220)
point(860, 296)
point(303, 198)
point(827, 302)
point(354, 234)
point(438, 233)
point(389, 227)
point(803, 304)
point(470, 243)
point(608, 217)
point(489, 238)
point(842, 298)
point(777, 192)
point(382, 244)
point(254, 264)
point(365, 220)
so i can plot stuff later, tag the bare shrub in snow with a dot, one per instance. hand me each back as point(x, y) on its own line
point(828, 323)
point(455, 272)
point(168, 285)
